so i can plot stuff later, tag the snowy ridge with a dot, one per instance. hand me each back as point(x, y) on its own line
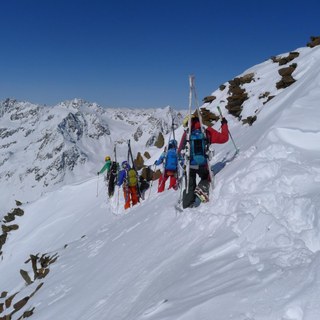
point(251, 253)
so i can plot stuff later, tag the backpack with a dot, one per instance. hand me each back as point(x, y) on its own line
point(132, 178)
point(147, 173)
point(114, 168)
point(171, 160)
point(198, 148)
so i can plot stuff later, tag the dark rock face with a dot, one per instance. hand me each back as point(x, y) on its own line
point(138, 162)
point(40, 267)
point(315, 41)
point(58, 145)
point(147, 155)
point(208, 99)
point(238, 94)
point(236, 98)
point(284, 60)
point(208, 117)
point(138, 134)
point(159, 143)
point(287, 79)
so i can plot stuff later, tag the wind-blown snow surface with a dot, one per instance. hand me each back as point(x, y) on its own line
point(252, 253)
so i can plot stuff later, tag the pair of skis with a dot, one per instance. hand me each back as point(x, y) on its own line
point(193, 94)
point(130, 157)
point(187, 157)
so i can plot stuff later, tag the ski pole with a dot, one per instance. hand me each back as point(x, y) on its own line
point(97, 186)
point(237, 150)
point(153, 170)
point(118, 200)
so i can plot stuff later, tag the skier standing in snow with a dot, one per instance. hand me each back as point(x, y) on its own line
point(170, 160)
point(198, 157)
point(106, 167)
point(113, 176)
point(128, 178)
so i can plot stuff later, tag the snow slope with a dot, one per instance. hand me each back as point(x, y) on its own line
point(252, 253)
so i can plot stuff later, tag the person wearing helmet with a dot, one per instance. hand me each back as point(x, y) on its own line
point(128, 179)
point(199, 141)
point(170, 160)
point(106, 167)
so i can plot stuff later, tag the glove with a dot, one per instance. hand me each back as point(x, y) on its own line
point(98, 173)
point(224, 120)
point(155, 163)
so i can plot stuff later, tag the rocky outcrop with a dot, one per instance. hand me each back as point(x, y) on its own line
point(147, 155)
point(315, 41)
point(237, 94)
point(286, 74)
point(249, 120)
point(138, 134)
point(159, 143)
point(7, 228)
point(75, 125)
point(138, 161)
point(148, 174)
point(284, 60)
point(208, 99)
point(208, 117)
point(156, 175)
point(40, 267)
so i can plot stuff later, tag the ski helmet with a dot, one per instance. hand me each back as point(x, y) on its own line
point(124, 164)
point(107, 158)
point(172, 144)
point(186, 120)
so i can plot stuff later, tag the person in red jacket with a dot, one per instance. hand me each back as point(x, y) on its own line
point(199, 143)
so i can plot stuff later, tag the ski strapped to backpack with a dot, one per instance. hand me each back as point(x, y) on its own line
point(113, 173)
point(187, 153)
point(196, 142)
point(132, 173)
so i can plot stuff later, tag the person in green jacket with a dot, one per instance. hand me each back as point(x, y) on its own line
point(106, 166)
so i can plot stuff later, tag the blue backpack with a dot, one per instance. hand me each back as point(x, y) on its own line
point(198, 143)
point(171, 160)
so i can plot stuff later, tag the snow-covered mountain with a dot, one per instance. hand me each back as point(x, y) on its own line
point(44, 147)
point(251, 253)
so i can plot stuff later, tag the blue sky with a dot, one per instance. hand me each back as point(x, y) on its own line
point(140, 53)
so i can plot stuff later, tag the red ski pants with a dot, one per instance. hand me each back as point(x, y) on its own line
point(164, 177)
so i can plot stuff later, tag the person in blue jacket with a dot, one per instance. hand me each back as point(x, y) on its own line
point(170, 160)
